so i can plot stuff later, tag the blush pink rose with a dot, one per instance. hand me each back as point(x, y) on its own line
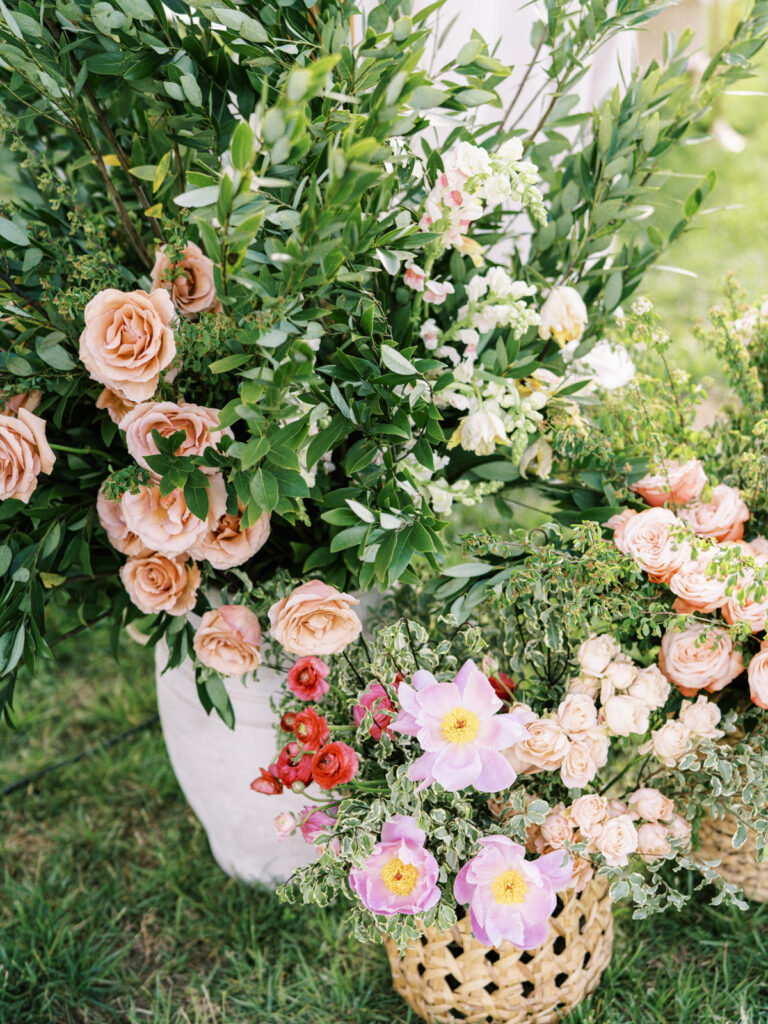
point(556, 830)
point(742, 606)
point(618, 524)
point(228, 640)
point(652, 805)
point(652, 841)
point(226, 544)
point(156, 583)
point(651, 687)
point(545, 748)
point(722, 518)
point(584, 684)
point(757, 674)
point(190, 281)
point(694, 661)
point(678, 482)
point(647, 538)
point(596, 653)
point(199, 424)
point(759, 549)
point(696, 590)
point(28, 400)
point(165, 524)
point(701, 718)
point(111, 517)
point(315, 619)
point(626, 715)
point(115, 406)
point(577, 713)
point(589, 812)
point(578, 766)
point(617, 840)
point(670, 742)
point(24, 454)
point(128, 341)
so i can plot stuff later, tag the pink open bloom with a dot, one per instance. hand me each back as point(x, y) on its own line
point(400, 876)
point(511, 899)
point(375, 699)
point(460, 731)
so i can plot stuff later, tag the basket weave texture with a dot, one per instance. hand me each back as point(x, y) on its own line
point(449, 976)
point(740, 866)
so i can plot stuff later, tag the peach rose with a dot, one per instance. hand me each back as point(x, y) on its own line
point(546, 746)
point(618, 524)
point(647, 538)
point(599, 744)
point(578, 766)
point(588, 685)
point(617, 839)
point(617, 807)
point(701, 717)
point(577, 713)
point(165, 524)
point(652, 842)
point(625, 715)
point(28, 400)
point(620, 674)
point(190, 281)
point(595, 654)
point(156, 583)
point(111, 517)
point(743, 606)
point(651, 687)
point(695, 661)
point(556, 830)
point(228, 640)
point(652, 805)
point(589, 812)
point(314, 620)
point(759, 548)
point(128, 341)
point(115, 406)
point(696, 590)
point(680, 829)
point(757, 674)
point(678, 482)
point(199, 424)
point(722, 518)
point(226, 545)
point(582, 873)
point(670, 742)
point(24, 454)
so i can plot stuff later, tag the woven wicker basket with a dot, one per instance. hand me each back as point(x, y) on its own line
point(450, 976)
point(740, 866)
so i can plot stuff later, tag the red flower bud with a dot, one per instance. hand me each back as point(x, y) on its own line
point(311, 729)
point(503, 686)
point(267, 782)
point(293, 765)
point(286, 722)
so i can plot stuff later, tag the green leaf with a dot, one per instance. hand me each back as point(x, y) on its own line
point(397, 363)
point(106, 18)
point(206, 196)
point(465, 570)
point(192, 90)
point(137, 9)
point(264, 490)
point(425, 97)
point(13, 233)
point(161, 171)
point(242, 146)
point(230, 362)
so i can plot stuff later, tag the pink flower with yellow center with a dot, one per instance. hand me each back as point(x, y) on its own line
point(511, 899)
point(460, 731)
point(400, 876)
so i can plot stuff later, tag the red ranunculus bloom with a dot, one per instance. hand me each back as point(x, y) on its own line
point(503, 686)
point(311, 729)
point(377, 699)
point(334, 765)
point(268, 782)
point(293, 765)
point(307, 679)
point(286, 722)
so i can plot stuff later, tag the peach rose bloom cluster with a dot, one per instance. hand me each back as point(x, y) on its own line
point(190, 282)
point(227, 544)
point(701, 657)
point(722, 518)
point(228, 640)
point(156, 583)
point(757, 676)
point(200, 426)
point(648, 538)
point(111, 517)
point(315, 619)
point(24, 454)
point(696, 721)
point(128, 341)
point(675, 482)
point(165, 523)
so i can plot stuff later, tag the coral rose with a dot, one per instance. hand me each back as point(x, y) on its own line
point(617, 839)
point(190, 281)
point(699, 658)
point(166, 524)
point(696, 590)
point(115, 406)
point(111, 517)
point(678, 482)
point(757, 674)
point(652, 805)
point(308, 679)
point(618, 524)
point(311, 729)
point(722, 518)
point(200, 425)
point(334, 765)
point(24, 454)
point(226, 544)
point(315, 619)
point(156, 583)
point(228, 640)
point(647, 538)
point(128, 341)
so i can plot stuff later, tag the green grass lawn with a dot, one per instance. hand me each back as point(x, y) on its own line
point(111, 908)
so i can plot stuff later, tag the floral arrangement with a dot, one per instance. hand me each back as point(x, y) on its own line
point(256, 328)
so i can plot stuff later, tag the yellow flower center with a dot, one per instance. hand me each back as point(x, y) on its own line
point(399, 878)
point(460, 726)
point(509, 887)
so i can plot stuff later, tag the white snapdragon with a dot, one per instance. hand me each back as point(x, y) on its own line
point(430, 334)
point(481, 431)
point(609, 367)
